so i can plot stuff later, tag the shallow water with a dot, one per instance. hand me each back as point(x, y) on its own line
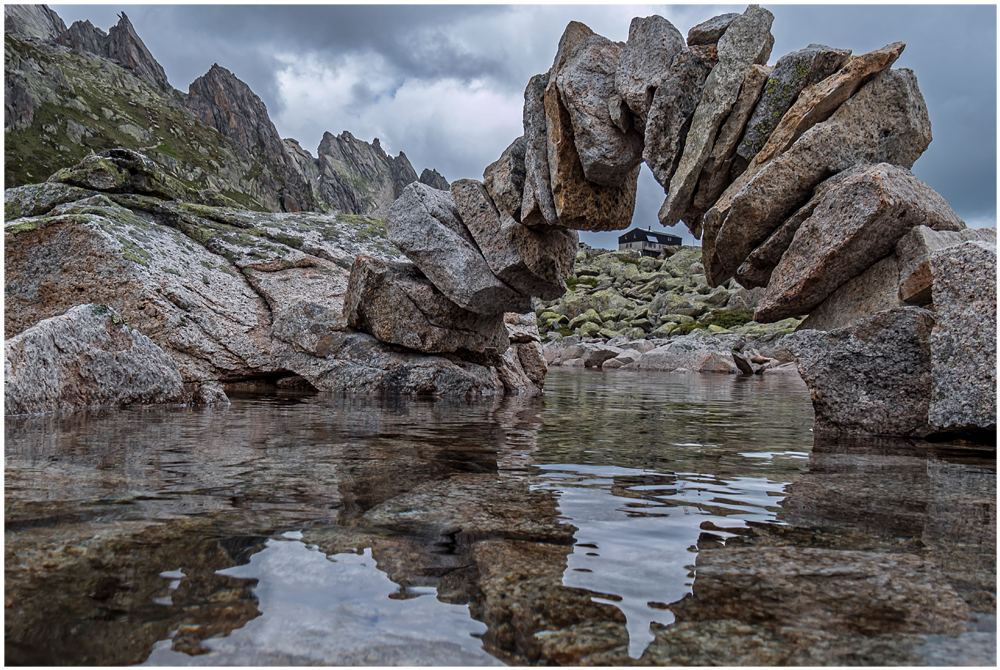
point(625, 518)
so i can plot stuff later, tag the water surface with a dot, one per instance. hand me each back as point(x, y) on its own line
point(624, 518)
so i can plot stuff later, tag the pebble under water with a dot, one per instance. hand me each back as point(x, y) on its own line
point(624, 518)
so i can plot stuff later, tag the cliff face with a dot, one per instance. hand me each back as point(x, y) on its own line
point(71, 91)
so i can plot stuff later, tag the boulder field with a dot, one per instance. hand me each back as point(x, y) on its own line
point(794, 176)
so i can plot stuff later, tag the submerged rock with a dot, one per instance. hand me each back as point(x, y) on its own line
point(88, 357)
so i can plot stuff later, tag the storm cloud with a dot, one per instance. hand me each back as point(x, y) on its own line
point(444, 84)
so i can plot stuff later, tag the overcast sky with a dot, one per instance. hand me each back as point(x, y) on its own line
point(445, 83)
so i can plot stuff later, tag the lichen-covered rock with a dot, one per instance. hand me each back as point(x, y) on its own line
point(504, 179)
point(872, 377)
point(88, 357)
point(963, 345)
point(397, 304)
point(426, 226)
point(746, 41)
point(670, 111)
point(716, 172)
point(792, 73)
point(533, 263)
point(886, 122)
point(537, 205)
point(858, 222)
point(653, 43)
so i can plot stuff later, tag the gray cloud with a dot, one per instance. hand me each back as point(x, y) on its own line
point(470, 64)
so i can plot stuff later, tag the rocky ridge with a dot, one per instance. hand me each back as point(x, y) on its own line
point(73, 91)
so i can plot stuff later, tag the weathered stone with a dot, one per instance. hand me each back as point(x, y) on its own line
point(537, 206)
point(715, 173)
point(585, 81)
point(125, 47)
point(816, 103)
point(348, 362)
point(963, 346)
point(522, 328)
point(669, 116)
point(595, 357)
point(504, 179)
point(742, 45)
point(709, 32)
point(88, 357)
point(914, 251)
point(425, 224)
point(687, 354)
point(653, 43)
point(858, 222)
point(886, 122)
point(581, 204)
point(792, 73)
point(533, 263)
point(756, 270)
point(873, 377)
point(532, 361)
point(874, 290)
point(33, 21)
point(397, 304)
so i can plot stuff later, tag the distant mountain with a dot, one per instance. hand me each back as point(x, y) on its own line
point(71, 91)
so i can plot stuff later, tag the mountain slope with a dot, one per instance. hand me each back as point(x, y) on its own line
point(73, 91)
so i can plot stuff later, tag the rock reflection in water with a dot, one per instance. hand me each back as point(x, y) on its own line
point(623, 519)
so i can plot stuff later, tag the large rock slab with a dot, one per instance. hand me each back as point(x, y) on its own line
point(886, 122)
point(747, 40)
point(873, 377)
point(425, 224)
point(533, 263)
point(874, 290)
point(310, 338)
point(792, 73)
point(858, 222)
point(963, 344)
point(653, 43)
point(816, 103)
point(669, 116)
point(537, 205)
point(584, 76)
point(581, 204)
point(88, 357)
point(715, 173)
point(504, 179)
point(914, 251)
point(397, 304)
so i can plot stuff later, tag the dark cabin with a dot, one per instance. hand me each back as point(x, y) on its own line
point(647, 242)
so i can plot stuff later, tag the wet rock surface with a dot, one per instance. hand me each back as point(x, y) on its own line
point(454, 532)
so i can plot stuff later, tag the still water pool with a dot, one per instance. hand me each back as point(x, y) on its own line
point(624, 518)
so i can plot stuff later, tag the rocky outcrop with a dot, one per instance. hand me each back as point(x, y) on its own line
point(963, 345)
point(124, 46)
point(84, 37)
point(88, 357)
point(397, 304)
point(857, 222)
point(434, 179)
point(653, 43)
point(427, 227)
point(36, 22)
